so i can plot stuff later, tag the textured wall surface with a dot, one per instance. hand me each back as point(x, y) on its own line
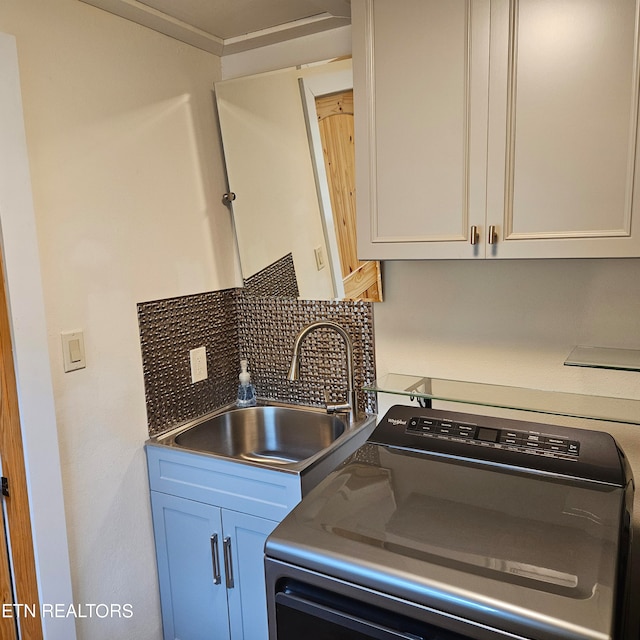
point(278, 279)
point(169, 329)
point(232, 325)
point(268, 328)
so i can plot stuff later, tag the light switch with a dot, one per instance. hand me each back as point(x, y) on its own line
point(319, 255)
point(75, 355)
point(73, 350)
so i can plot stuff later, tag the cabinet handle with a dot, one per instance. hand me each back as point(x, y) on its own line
point(493, 235)
point(217, 578)
point(474, 234)
point(228, 565)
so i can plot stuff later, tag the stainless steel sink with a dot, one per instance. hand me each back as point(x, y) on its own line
point(274, 435)
point(306, 441)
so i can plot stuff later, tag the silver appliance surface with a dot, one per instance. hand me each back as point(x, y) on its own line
point(465, 519)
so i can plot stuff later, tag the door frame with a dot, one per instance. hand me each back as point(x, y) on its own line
point(312, 87)
point(16, 518)
point(31, 365)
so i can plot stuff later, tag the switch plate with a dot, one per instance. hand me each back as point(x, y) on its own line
point(73, 350)
point(320, 261)
point(198, 360)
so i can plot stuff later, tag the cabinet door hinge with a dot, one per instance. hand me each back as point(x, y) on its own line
point(4, 486)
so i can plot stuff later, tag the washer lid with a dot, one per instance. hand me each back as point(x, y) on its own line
point(528, 554)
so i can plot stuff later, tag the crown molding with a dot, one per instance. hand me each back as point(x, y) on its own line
point(146, 16)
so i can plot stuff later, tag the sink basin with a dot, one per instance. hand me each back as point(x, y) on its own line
point(270, 435)
point(293, 439)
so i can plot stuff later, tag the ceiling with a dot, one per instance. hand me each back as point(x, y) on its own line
point(223, 27)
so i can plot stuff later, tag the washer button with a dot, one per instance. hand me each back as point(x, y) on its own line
point(428, 425)
point(513, 438)
point(573, 447)
point(446, 428)
point(557, 445)
point(507, 433)
point(464, 430)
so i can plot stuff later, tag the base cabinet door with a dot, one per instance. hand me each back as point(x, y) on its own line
point(211, 519)
point(193, 593)
point(210, 569)
point(244, 537)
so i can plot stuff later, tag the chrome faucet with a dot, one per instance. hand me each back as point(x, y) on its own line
point(351, 406)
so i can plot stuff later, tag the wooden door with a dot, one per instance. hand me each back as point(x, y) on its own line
point(8, 623)
point(21, 563)
point(362, 279)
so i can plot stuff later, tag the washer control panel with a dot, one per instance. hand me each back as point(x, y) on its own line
point(509, 439)
point(508, 443)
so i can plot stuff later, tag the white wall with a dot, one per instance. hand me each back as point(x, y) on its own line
point(127, 181)
point(30, 353)
point(509, 322)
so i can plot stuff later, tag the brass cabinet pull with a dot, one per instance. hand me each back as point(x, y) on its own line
point(474, 234)
point(493, 234)
point(217, 578)
point(228, 565)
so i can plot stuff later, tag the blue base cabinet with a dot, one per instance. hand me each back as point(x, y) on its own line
point(192, 604)
point(247, 598)
point(211, 518)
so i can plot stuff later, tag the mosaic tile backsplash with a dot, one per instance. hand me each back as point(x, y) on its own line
point(278, 279)
point(268, 329)
point(233, 325)
point(168, 330)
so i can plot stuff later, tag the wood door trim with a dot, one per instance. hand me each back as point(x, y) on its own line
point(18, 519)
point(7, 624)
point(335, 117)
point(358, 283)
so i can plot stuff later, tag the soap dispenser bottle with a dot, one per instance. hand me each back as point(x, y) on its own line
point(246, 391)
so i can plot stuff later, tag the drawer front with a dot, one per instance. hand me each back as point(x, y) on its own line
point(230, 485)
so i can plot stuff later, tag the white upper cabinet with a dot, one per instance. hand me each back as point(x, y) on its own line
point(421, 91)
point(563, 128)
point(496, 128)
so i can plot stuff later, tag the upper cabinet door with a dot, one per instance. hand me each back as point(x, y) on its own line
point(421, 94)
point(563, 111)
